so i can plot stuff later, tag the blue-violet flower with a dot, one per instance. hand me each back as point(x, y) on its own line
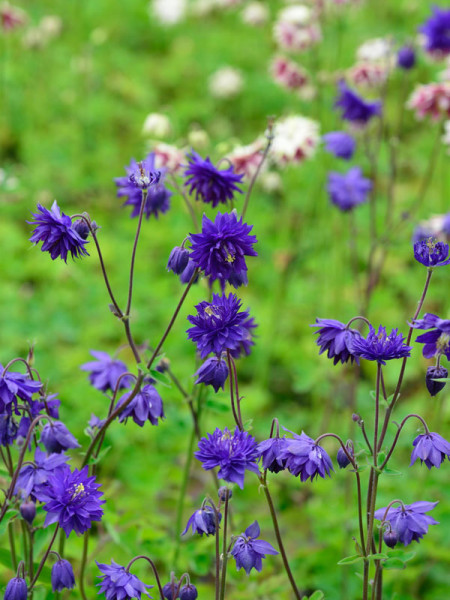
point(248, 550)
point(105, 371)
point(354, 108)
point(380, 346)
point(210, 184)
point(340, 143)
point(409, 521)
point(337, 339)
point(119, 584)
point(347, 190)
point(431, 449)
point(62, 576)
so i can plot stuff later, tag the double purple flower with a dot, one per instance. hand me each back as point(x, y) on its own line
point(304, 458)
point(249, 550)
point(409, 521)
point(431, 449)
point(437, 340)
point(336, 339)
point(210, 184)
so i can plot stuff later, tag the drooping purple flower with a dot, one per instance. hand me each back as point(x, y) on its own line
point(380, 346)
point(409, 521)
point(436, 30)
point(224, 492)
point(233, 453)
point(170, 591)
point(56, 437)
point(214, 371)
point(72, 500)
point(220, 326)
point(188, 592)
point(202, 521)
point(188, 272)
point(431, 449)
point(105, 371)
point(433, 373)
point(340, 143)
point(16, 589)
point(336, 339)
point(342, 458)
point(221, 247)
point(178, 260)
point(302, 456)
point(8, 429)
point(437, 340)
point(147, 405)
point(210, 184)
point(406, 57)
point(431, 253)
point(15, 385)
point(28, 510)
point(354, 108)
point(347, 190)
point(37, 474)
point(270, 451)
point(62, 576)
point(249, 550)
point(119, 584)
point(55, 230)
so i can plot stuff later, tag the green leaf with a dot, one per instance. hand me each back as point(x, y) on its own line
point(393, 563)
point(9, 516)
point(391, 471)
point(350, 560)
point(318, 595)
point(94, 460)
point(160, 377)
point(378, 556)
point(401, 554)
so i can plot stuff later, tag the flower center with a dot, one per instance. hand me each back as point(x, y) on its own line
point(79, 490)
point(443, 342)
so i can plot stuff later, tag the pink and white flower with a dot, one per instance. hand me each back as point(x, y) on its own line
point(431, 100)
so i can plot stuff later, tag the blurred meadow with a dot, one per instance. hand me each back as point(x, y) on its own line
point(73, 105)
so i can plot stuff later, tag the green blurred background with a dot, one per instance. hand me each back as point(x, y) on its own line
point(73, 107)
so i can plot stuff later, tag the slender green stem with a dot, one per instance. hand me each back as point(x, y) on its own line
point(258, 170)
point(217, 539)
point(44, 558)
point(224, 548)
point(377, 416)
point(133, 253)
point(83, 564)
point(394, 443)
point(360, 513)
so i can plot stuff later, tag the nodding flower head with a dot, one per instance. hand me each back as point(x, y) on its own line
point(336, 339)
point(409, 521)
point(431, 253)
point(437, 340)
point(249, 550)
point(431, 448)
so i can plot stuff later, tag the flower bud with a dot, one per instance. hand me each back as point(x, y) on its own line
point(16, 589)
point(28, 511)
point(222, 493)
point(342, 458)
point(169, 591)
point(214, 371)
point(62, 576)
point(390, 538)
point(188, 592)
point(437, 372)
point(406, 58)
point(178, 260)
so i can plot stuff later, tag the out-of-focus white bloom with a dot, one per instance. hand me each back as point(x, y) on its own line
point(271, 182)
point(288, 74)
point(432, 100)
point(203, 8)
point(228, 3)
point(295, 139)
point(99, 36)
point(8, 182)
point(296, 28)
point(157, 125)
point(51, 26)
point(168, 156)
point(255, 13)
point(246, 159)
point(226, 83)
point(168, 12)
point(368, 74)
point(446, 136)
point(198, 138)
point(377, 49)
point(299, 14)
point(307, 92)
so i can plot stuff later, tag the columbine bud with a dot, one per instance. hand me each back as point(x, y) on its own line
point(406, 58)
point(169, 591)
point(342, 458)
point(390, 538)
point(28, 511)
point(178, 260)
point(62, 576)
point(214, 371)
point(81, 228)
point(188, 592)
point(437, 372)
point(356, 418)
point(16, 589)
point(222, 493)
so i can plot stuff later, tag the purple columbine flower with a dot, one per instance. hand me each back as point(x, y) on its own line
point(249, 550)
point(188, 272)
point(406, 58)
point(380, 346)
point(15, 385)
point(420, 233)
point(36, 474)
point(270, 451)
point(62, 576)
point(16, 589)
point(304, 457)
point(210, 184)
point(347, 190)
point(202, 521)
point(119, 584)
point(71, 499)
point(188, 592)
point(409, 521)
point(214, 371)
point(147, 405)
point(56, 231)
point(431, 449)
point(436, 341)
point(178, 260)
point(220, 326)
point(337, 339)
point(105, 371)
point(233, 453)
point(56, 437)
point(433, 373)
point(437, 32)
point(354, 108)
point(340, 143)
point(431, 253)
point(9, 429)
point(221, 247)
point(142, 175)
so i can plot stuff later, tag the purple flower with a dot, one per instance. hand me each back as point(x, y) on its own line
point(214, 371)
point(56, 437)
point(220, 326)
point(431, 253)
point(436, 341)
point(56, 231)
point(342, 458)
point(381, 346)
point(15, 385)
point(105, 371)
point(16, 589)
point(169, 591)
point(72, 500)
point(409, 521)
point(119, 584)
point(202, 521)
point(304, 457)
point(433, 373)
point(340, 143)
point(234, 453)
point(420, 233)
point(188, 272)
point(336, 339)
point(8, 429)
point(406, 58)
point(437, 32)
point(62, 576)
point(248, 550)
point(431, 449)
point(347, 190)
point(188, 592)
point(141, 175)
point(156, 203)
point(178, 260)
point(28, 511)
point(270, 451)
point(354, 108)
point(210, 184)
point(38, 473)
point(147, 405)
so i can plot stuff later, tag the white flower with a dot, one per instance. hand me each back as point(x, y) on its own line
point(226, 83)
point(271, 182)
point(168, 12)
point(51, 26)
point(255, 13)
point(157, 125)
point(377, 49)
point(296, 28)
point(295, 139)
point(198, 138)
point(297, 15)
